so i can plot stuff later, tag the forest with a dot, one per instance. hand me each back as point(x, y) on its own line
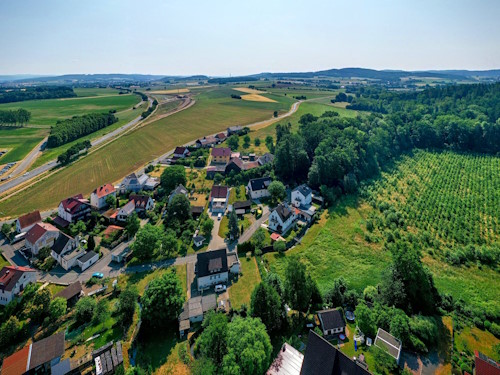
point(68, 130)
point(14, 117)
point(33, 93)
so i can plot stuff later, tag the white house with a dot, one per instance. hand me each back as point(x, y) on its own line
point(142, 203)
point(125, 211)
point(87, 260)
point(41, 235)
point(181, 152)
point(302, 196)
point(211, 268)
point(282, 218)
point(332, 322)
point(65, 251)
point(69, 259)
point(25, 223)
point(73, 208)
point(257, 187)
point(13, 280)
point(135, 183)
point(219, 197)
point(198, 241)
point(99, 196)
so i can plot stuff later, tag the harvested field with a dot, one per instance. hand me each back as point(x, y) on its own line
point(257, 98)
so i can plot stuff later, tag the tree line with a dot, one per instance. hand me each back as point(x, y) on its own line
point(73, 151)
point(33, 93)
point(150, 110)
point(78, 126)
point(13, 117)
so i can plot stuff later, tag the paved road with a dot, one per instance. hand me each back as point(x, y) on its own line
point(255, 225)
point(28, 159)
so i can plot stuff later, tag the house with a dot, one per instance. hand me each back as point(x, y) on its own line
point(194, 309)
point(25, 223)
point(257, 187)
point(125, 211)
point(302, 196)
point(196, 211)
point(71, 293)
point(87, 260)
point(73, 209)
point(99, 196)
point(234, 130)
point(211, 268)
point(142, 203)
point(332, 322)
point(485, 365)
point(239, 165)
point(198, 241)
point(69, 259)
point(221, 137)
point(63, 245)
point(282, 218)
point(322, 358)
point(276, 237)
point(41, 235)
point(38, 357)
point(180, 189)
point(13, 280)
point(287, 362)
point(265, 159)
point(181, 152)
point(221, 155)
point(233, 263)
point(133, 183)
point(214, 169)
point(205, 142)
point(120, 252)
point(241, 207)
point(218, 198)
point(386, 340)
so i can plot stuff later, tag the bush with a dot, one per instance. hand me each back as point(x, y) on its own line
point(495, 329)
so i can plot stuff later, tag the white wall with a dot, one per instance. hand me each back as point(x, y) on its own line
point(210, 280)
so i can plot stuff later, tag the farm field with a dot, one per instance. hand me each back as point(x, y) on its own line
point(440, 195)
point(214, 111)
point(48, 111)
point(95, 91)
point(19, 142)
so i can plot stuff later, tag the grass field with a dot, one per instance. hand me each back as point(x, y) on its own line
point(241, 291)
point(95, 91)
point(214, 111)
point(337, 246)
point(48, 111)
point(19, 142)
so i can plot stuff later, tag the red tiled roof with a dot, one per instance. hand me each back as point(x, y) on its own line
point(9, 275)
point(72, 204)
point(486, 365)
point(29, 219)
point(104, 190)
point(223, 151)
point(16, 364)
point(140, 201)
point(38, 230)
point(251, 165)
point(221, 136)
point(179, 150)
point(110, 230)
point(219, 191)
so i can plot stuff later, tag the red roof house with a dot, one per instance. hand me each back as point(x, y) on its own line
point(74, 208)
point(13, 280)
point(25, 223)
point(485, 365)
point(99, 195)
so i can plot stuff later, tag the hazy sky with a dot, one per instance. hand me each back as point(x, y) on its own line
point(242, 37)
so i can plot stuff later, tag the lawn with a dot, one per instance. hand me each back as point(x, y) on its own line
point(241, 291)
point(3, 261)
point(224, 224)
point(182, 275)
point(19, 142)
point(48, 111)
point(237, 193)
point(55, 288)
point(214, 111)
point(472, 338)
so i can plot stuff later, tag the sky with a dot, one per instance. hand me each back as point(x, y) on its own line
point(222, 38)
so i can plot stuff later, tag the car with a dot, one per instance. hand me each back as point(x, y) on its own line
point(219, 216)
point(220, 288)
point(27, 173)
point(98, 275)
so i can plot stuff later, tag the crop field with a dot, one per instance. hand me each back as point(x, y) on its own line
point(447, 198)
point(48, 111)
point(171, 91)
point(214, 111)
point(95, 91)
point(19, 142)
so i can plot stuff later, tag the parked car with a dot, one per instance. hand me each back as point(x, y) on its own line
point(219, 216)
point(220, 288)
point(99, 275)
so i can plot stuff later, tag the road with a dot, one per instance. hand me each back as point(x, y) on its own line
point(28, 159)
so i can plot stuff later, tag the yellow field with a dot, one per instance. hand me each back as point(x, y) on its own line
point(174, 91)
point(257, 98)
point(247, 90)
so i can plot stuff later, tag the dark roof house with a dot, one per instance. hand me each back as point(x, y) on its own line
point(261, 183)
point(61, 242)
point(210, 262)
point(10, 275)
point(331, 319)
point(219, 191)
point(71, 291)
point(284, 211)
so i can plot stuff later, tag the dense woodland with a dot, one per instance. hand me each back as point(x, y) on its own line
point(68, 130)
point(14, 117)
point(33, 93)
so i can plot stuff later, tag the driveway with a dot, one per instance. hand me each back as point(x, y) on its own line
point(255, 225)
point(216, 242)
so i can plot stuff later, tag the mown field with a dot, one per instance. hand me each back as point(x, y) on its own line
point(214, 111)
point(48, 111)
point(19, 142)
point(453, 198)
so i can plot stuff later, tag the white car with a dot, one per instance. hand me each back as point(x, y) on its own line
point(220, 288)
point(219, 216)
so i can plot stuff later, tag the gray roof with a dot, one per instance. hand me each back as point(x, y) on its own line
point(198, 238)
point(62, 368)
point(260, 183)
point(211, 257)
point(304, 190)
point(386, 340)
point(70, 291)
point(283, 211)
point(46, 350)
point(87, 256)
point(266, 158)
point(331, 319)
point(61, 243)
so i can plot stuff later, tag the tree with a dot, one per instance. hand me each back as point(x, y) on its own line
point(101, 311)
point(384, 363)
point(400, 327)
point(91, 243)
point(275, 113)
point(203, 366)
point(212, 342)
point(246, 141)
point(9, 331)
point(274, 280)
point(233, 142)
point(133, 224)
point(207, 226)
point(57, 308)
point(298, 285)
point(172, 177)
point(258, 238)
point(6, 228)
point(270, 143)
point(249, 347)
point(148, 240)
point(40, 305)
point(111, 201)
point(256, 141)
point(336, 294)
point(279, 246)
point(233, 225)
point(266, 304)
point(277, 191)
point(169, 244)
point(365, 320)
point(179, 208)
point(84, 309)
point(162, 301)
point(127, 303)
